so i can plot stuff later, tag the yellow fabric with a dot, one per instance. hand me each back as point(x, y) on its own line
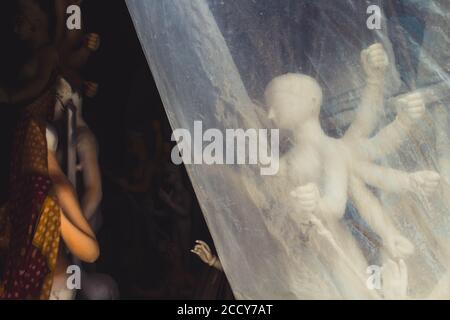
point(47, 238)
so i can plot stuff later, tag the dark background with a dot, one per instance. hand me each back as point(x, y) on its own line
point(127, 117)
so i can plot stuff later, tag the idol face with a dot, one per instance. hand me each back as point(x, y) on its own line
point(293, 99)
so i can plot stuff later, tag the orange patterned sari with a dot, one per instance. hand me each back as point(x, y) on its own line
point(30, 222)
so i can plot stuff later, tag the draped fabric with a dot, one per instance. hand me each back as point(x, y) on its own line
point(32, 214)
point(212, 60)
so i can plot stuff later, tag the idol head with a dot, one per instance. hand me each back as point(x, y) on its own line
point(293, 99)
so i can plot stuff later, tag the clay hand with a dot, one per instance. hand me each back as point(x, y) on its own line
point(410, 108)
point(395, 280)
point(308, 197)
point(398, 246)
point(375, 61)
point(203, 251)
point(90, 89)
point(424, 182)
point(92, 41)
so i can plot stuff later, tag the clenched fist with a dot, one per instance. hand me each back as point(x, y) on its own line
point(397, 245)
point(424, 182)
point(375, 61)
point(308, 197)
point(410, 108)
point(63, 91)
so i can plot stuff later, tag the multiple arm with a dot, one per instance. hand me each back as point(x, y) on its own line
point(411, 109)
point(65, 39)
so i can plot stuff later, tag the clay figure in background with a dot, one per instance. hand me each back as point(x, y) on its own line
point(41, 195)
point(95, 286)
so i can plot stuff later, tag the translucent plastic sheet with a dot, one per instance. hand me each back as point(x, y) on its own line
point(212, 60)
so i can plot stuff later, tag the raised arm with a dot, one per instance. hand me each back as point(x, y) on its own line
point(374, 61)
point(396, 181)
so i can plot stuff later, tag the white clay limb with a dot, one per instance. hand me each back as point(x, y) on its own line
point(410, 109)
point(395, 280)
point(371, 210)
point(329, 171)
point(424, 182)
point(396, 181)
point(335, 184)
point(203, 251)
point(375, 62)
point(75, 230)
